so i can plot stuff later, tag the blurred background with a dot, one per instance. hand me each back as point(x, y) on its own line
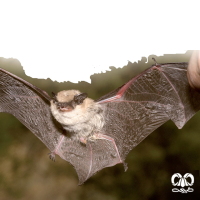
point(26, 172)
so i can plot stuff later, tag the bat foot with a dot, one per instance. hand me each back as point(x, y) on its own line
point(125, 166)
point(52, 156)
point(83, 140)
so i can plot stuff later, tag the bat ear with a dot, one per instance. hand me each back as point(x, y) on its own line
point(54, 96)
point(79, 98)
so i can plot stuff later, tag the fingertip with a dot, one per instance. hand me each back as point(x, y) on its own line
point(193, 71)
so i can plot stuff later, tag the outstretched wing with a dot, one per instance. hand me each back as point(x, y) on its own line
point(136, 109)
point(132, 112)
point(30, 105)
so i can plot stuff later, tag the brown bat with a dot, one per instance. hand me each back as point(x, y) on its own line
point(92, 135)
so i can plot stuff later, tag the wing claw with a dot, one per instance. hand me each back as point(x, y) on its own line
point(155, 61)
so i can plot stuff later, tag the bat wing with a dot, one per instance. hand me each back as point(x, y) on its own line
point(132, 112)
point(30, 105)
point(140, 106)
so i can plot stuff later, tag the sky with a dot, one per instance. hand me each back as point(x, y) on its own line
point(77, 65)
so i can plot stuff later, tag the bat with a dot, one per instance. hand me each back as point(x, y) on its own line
point(95, 134)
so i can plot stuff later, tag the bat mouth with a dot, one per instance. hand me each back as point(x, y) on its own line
point(64, 107)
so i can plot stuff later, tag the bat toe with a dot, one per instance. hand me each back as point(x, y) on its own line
point(52, 156)
point(83, 140)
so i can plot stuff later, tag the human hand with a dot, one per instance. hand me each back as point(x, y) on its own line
point(193, 71)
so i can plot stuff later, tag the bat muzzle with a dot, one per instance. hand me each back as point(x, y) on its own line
point(64, 107)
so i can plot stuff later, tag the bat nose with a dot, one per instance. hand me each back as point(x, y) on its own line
point(66, 109)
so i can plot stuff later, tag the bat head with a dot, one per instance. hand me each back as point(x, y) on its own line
point(67, 100)
point(78, 114)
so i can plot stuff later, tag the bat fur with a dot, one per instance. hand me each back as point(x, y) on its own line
point(83, 121)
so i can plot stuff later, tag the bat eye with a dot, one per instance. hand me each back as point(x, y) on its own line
point(79, 98)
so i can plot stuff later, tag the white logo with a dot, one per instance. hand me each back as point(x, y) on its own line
point(183, 182)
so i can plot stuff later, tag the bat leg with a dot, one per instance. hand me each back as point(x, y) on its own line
point(52, 156)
